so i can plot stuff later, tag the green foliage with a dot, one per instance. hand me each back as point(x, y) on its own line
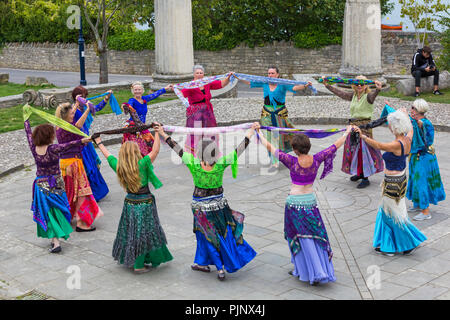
point(134, 40)
point(313, 39)
point(423, 14)
point(443, 60)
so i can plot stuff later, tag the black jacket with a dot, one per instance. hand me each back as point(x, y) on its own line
point(419, 62)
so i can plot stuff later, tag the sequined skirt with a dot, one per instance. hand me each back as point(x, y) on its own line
point(139, 230)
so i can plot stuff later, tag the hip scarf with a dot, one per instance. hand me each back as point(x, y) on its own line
point(48, 193)
point(281, 112)
point(302, 220)
point(212, 216)
point(393, 197)
point(394, 187)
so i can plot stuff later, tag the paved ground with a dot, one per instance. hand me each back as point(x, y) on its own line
point(349, 215)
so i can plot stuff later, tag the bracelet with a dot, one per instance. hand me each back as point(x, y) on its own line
point(99, 143)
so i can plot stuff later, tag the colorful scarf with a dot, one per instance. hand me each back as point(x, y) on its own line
point(27, 111)
point(346, 81)
point(194, 84)
point(260, 79)
point(312, 133)
point(201, 82)
point(112, 102)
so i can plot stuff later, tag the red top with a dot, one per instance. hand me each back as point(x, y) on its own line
point(196, 95)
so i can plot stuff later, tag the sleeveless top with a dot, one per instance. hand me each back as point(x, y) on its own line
point(361, 109)
point(393, 162)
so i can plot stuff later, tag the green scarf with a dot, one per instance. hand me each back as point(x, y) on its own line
point(27, 111)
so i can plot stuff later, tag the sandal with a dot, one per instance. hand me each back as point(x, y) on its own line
point(221, 275)
point(140, 271)
point(196, 267)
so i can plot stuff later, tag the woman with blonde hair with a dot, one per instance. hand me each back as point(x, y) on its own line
point(140, 238)
point(359, 159)
point(394, 232)
point(83, 206)
point(138, 105)
point(425, 184)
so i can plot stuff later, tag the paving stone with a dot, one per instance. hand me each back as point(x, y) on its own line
point(412, 278)
point(426, 292)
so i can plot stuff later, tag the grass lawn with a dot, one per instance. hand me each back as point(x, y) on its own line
point(429, 97)
point(12, 118)
point(10, 89)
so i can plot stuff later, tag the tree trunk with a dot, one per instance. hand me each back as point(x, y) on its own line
point(103, 55)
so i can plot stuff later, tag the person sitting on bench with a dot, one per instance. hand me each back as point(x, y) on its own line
point(423, 66)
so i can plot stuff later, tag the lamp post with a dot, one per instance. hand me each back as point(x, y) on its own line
point(81, 55)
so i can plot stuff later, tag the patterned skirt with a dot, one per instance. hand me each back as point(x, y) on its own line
point(51, 210)
point(199, 116)
point(277, 117)
point(394, 232)
point(91, 163)
point(308, 241)
point(372, 161)
point(425, 183)
point(140, 233)
point(144, 139)
point(218, 230)
point(77, 185)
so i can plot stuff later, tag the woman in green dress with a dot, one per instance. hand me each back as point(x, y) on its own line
point(217, 227)
point(140, 239)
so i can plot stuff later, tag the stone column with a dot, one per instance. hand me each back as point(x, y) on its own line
point(174, 52)
point(361, 41)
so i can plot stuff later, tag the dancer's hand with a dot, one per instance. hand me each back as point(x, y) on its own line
point(256, 126)
point(158, 128)
point(349, 129)
point(169, 87)
point(86, 140)
point(325, 81)
point(309, 84)
point(378, 85)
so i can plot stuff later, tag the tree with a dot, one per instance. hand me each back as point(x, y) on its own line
point(106, 12)
point(423, 14)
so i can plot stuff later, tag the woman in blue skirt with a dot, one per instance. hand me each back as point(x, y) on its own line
point(394, 232)
point(425, 184)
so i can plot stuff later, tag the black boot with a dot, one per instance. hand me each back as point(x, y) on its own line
point(355, 178)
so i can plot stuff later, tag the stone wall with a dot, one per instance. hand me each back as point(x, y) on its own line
point(397, 51)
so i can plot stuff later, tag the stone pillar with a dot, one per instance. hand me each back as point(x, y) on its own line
point(174, 52)
point(361, 41)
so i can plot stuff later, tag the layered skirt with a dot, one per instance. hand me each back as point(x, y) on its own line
point(140, 239)
point(91, 163)
point(144, 139)
point(218, 230)
point(425, 184)
point(51, 210)
point(394, 231)
point(308, 241)
point(359, 158)
point(277, 117)
point(77, 185)
point(199, 116)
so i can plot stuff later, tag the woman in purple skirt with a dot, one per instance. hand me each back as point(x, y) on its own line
point(304, 229)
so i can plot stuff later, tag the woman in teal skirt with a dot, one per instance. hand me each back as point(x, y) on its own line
point(140, 239)
point(274, 112)
point(394, 232)
point(425, 184)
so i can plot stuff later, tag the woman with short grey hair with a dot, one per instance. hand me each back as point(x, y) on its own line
point(394, 232)
point(425, 183)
